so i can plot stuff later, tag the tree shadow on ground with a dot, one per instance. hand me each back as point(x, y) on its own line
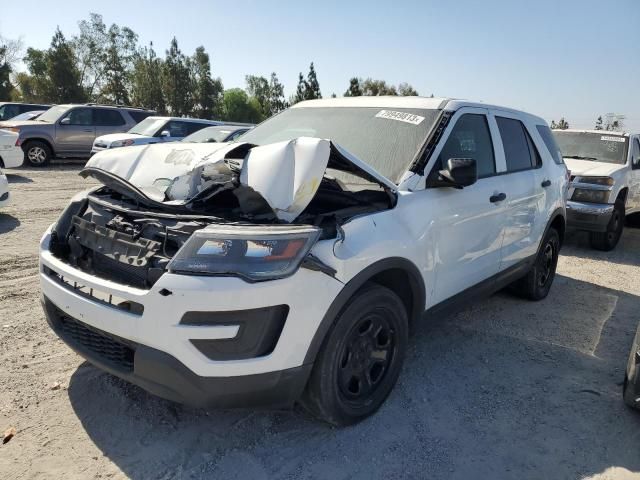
point(505, 388)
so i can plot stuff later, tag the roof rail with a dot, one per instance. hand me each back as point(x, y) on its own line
point(117, 106)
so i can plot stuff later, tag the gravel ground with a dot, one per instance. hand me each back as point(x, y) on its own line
point(504, 389)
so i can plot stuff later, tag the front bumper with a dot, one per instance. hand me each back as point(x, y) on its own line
point(161, 342)
point(165, 376)
point(12, 157)
point(593, 217)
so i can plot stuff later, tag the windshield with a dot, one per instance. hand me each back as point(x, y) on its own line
point(597, 147)
point(208, 135)
point(53, 114)
point(387, 140)
point(149, 126)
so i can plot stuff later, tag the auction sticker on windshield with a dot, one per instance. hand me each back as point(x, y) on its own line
point(400, 116)
point(605, 138)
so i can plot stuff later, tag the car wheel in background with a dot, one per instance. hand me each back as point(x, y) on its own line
point(535, 285)
point(608, 240)
point(37, 154)
point(360, 359)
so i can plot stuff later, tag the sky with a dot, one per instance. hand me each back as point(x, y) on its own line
point(576, 59)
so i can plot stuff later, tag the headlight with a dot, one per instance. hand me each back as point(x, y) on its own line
point(590, 196)
point(121, 143)
point(595, 180)
point(251, 252)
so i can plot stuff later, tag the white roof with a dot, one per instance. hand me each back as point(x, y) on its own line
point(427, 103)
point(599, 132)
point(188, 119)
point(377, 102)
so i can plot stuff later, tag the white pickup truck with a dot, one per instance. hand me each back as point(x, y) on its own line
point(605, 182)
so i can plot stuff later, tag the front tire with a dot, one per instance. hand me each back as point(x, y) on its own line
point(37, 154)
point(607, 240)
point(535, 285)
point(361, 358)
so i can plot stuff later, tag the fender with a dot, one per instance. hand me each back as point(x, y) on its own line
point(558, 212)
point(416, 283)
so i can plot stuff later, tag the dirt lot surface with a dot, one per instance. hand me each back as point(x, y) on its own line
point(504, 389)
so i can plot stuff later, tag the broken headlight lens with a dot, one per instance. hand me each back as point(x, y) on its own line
point(253, 253)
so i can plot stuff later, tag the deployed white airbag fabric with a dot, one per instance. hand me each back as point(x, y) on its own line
point(287, 174)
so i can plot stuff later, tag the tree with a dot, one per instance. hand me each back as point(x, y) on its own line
point(561, 125)
point(9, 55)
point(406, 90)
point(90, 52)
point(207, 91)
point(599, 123)
point(176, 82)
point(312, 90)
point(63, 84)
point(258, 88)
point(277, 103)
point(239, 107)
point(354, 89)
point(300, 90)
point(375, 88)
point(146, 80)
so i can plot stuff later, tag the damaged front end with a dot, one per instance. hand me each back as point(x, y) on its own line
point(225, 209)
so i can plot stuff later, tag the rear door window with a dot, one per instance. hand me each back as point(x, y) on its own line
point(470, 138)
point(519, 150)
point(550, 142)
point(107, 118)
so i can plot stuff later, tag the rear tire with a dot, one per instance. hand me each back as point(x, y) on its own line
point(37, 153)
point(607, 240)
point(360, 359)
point(535, 285)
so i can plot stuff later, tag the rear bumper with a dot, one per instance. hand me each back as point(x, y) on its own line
point(593, 217)
point(163, 375)
point(12, 157)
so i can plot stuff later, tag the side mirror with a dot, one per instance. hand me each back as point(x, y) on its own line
point(165, 133)
point(65, 121)
point(459, 173)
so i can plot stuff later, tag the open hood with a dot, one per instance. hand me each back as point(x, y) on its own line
point(285, 175)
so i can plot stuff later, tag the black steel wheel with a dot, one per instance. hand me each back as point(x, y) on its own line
point(360, 359)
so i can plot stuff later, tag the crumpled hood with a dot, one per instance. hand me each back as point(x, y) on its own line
point(285, 174)
point(114, 137)
point(592, 168)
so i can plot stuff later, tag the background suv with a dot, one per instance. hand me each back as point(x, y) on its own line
point(9, 110)
point(283, 268)
point(153, 130)
point(69, 130)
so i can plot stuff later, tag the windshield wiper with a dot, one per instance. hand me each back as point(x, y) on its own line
point(578, 157)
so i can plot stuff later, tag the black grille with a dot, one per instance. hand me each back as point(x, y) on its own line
point(106, 348)
point(119, 272)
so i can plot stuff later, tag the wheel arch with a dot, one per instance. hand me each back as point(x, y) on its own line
point(622, 195)
point(26, 142)
point(398, 274)
point(559, 222)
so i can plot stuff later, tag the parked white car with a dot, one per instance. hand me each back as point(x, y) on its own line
point(11, 155)
point(4, 189)
point(289, 266)
point(152, 130)
point(605, 182)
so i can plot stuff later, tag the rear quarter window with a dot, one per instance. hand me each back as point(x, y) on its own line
point(138, 116)
point(550, 141)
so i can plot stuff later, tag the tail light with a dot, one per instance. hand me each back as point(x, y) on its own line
point(18, 142)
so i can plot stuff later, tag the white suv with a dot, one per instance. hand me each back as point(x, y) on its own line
point(605, 182)
point(290, 266)
point(152, 130)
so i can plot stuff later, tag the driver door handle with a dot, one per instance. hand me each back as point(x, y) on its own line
point(546, 183)
point(498, 197)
